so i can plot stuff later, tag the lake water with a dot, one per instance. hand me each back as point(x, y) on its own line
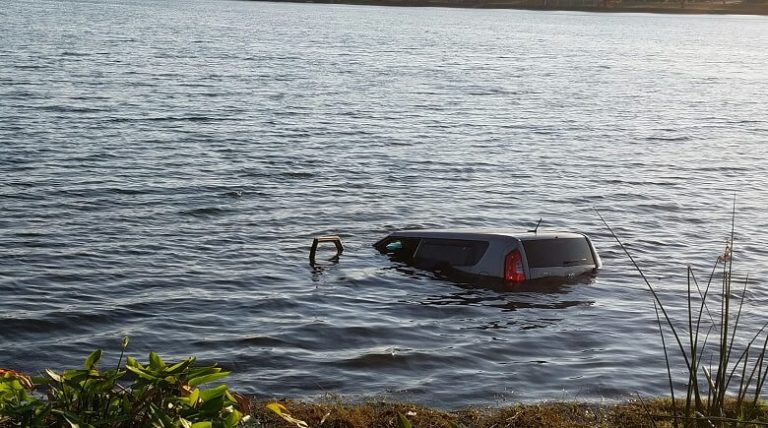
point(164, 166)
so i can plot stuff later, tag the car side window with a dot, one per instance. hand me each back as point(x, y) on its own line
point(398, 247)
point(453, 252)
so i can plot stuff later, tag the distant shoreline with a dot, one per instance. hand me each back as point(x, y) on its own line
point(609, 6)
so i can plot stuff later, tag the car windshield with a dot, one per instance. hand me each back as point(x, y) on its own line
point(558, 252)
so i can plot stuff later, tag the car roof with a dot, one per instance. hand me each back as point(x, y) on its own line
point(483, 234)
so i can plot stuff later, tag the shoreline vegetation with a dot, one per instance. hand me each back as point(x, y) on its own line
point(717, 7)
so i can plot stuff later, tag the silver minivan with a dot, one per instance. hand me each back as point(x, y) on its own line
point(504, 254)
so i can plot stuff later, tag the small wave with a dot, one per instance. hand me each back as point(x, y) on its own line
point(68, 321)
point(127, 191)
point(89, 98)
point(391, 358)
point(186, 119)
point(678, 138)
point(298, 174)
point(205, 212)
point(196, 85)
point(70, 109)
point(234, 194)
point(75, 54)
point(262, 341)
point(193, 119)
point(31, 67)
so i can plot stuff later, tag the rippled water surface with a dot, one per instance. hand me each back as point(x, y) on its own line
point(164, 166)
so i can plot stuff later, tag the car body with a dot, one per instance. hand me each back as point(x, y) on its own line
point(504, 254)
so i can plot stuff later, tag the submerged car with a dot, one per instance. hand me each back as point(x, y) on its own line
point(511, 256)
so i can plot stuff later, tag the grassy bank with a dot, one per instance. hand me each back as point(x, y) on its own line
point(334, 414)
point(339, 415)
point(729, 7)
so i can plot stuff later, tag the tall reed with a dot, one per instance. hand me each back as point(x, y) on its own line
point(724, 381)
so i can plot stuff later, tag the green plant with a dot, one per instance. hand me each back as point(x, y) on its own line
point(17, 404)
point(724, 384)
point(131, 395)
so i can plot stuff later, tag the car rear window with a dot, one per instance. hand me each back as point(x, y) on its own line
point(455, 252)
point(558, 252)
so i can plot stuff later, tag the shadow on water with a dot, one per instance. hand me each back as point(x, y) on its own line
point(545, 293)
point(469, 290)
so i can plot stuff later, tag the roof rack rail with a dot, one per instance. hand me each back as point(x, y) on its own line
point(320, 239)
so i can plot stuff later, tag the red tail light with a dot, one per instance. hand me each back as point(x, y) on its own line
point(513, 267)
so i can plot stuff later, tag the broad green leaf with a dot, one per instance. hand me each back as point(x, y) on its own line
point(213, 392)
point(193, 397)
point(37, 380)
point(75, 375)
point(73, 421)
point(213, 406)
point(130, 361)
point(206, 424)
point(93, 359)
point(208, 378)
point(202, 371)
point(53, 375)
point(180, 366)
point(141, 373)
point(71, 424)
point(155, 362)
point(233, 419)
point(403, 422)
point(114, 375)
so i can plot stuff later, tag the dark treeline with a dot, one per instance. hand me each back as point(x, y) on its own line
point(742, 7)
